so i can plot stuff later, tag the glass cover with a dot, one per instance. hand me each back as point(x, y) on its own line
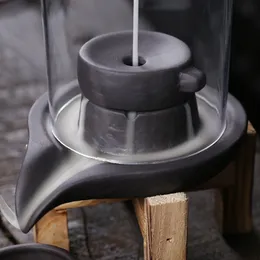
point(204, 25)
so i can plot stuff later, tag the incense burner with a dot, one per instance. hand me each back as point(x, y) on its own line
point(107, 129)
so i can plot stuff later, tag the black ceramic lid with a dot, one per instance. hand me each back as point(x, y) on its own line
point(107, 78)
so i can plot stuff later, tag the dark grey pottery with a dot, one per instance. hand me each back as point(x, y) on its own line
point(45, 161)
point(163, 79)
point(34, 252)
point(145, 104)
point(150, 131)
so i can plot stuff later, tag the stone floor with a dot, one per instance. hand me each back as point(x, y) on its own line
point(105, 232)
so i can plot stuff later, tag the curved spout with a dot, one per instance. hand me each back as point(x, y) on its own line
point(46, 170)
point(78, 178)
point(33, 200)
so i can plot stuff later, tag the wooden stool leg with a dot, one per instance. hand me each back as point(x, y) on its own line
point(237, 199)
point(52, 229)
point(163, 223)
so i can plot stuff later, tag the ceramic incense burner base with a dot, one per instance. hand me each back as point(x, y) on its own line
point(125, 131)
point(52, 174)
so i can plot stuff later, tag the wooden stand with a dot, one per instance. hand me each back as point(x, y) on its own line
point(163, 219)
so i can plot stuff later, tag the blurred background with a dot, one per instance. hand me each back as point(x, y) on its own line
point(109, 231)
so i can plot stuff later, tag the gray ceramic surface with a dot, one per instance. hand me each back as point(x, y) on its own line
point(117, 132)
point(52, 175)
point(136, 137)
point(34, 252)
point(163, 79)
point(135, 109)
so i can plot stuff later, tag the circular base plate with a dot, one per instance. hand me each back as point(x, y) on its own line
point(52, 174)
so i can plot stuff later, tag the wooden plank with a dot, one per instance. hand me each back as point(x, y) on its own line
point(237, 200)
point(163, 223)
point(142, 218)
point(163, 219)
point(251, 130)
point(87, 203)
point(52, 229)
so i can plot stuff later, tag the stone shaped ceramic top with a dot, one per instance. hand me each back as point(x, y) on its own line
point(158, 50)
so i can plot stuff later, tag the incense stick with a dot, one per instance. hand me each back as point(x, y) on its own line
point(135, 32)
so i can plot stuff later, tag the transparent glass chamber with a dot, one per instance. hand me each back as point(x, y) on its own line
point(203, 25)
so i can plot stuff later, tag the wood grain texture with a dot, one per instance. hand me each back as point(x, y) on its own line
point(237, 199)
point(163, 223)
point(52, 229)
point(87, 203)
point(163, 219)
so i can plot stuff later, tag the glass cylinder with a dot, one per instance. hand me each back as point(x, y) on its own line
point(204, 26)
